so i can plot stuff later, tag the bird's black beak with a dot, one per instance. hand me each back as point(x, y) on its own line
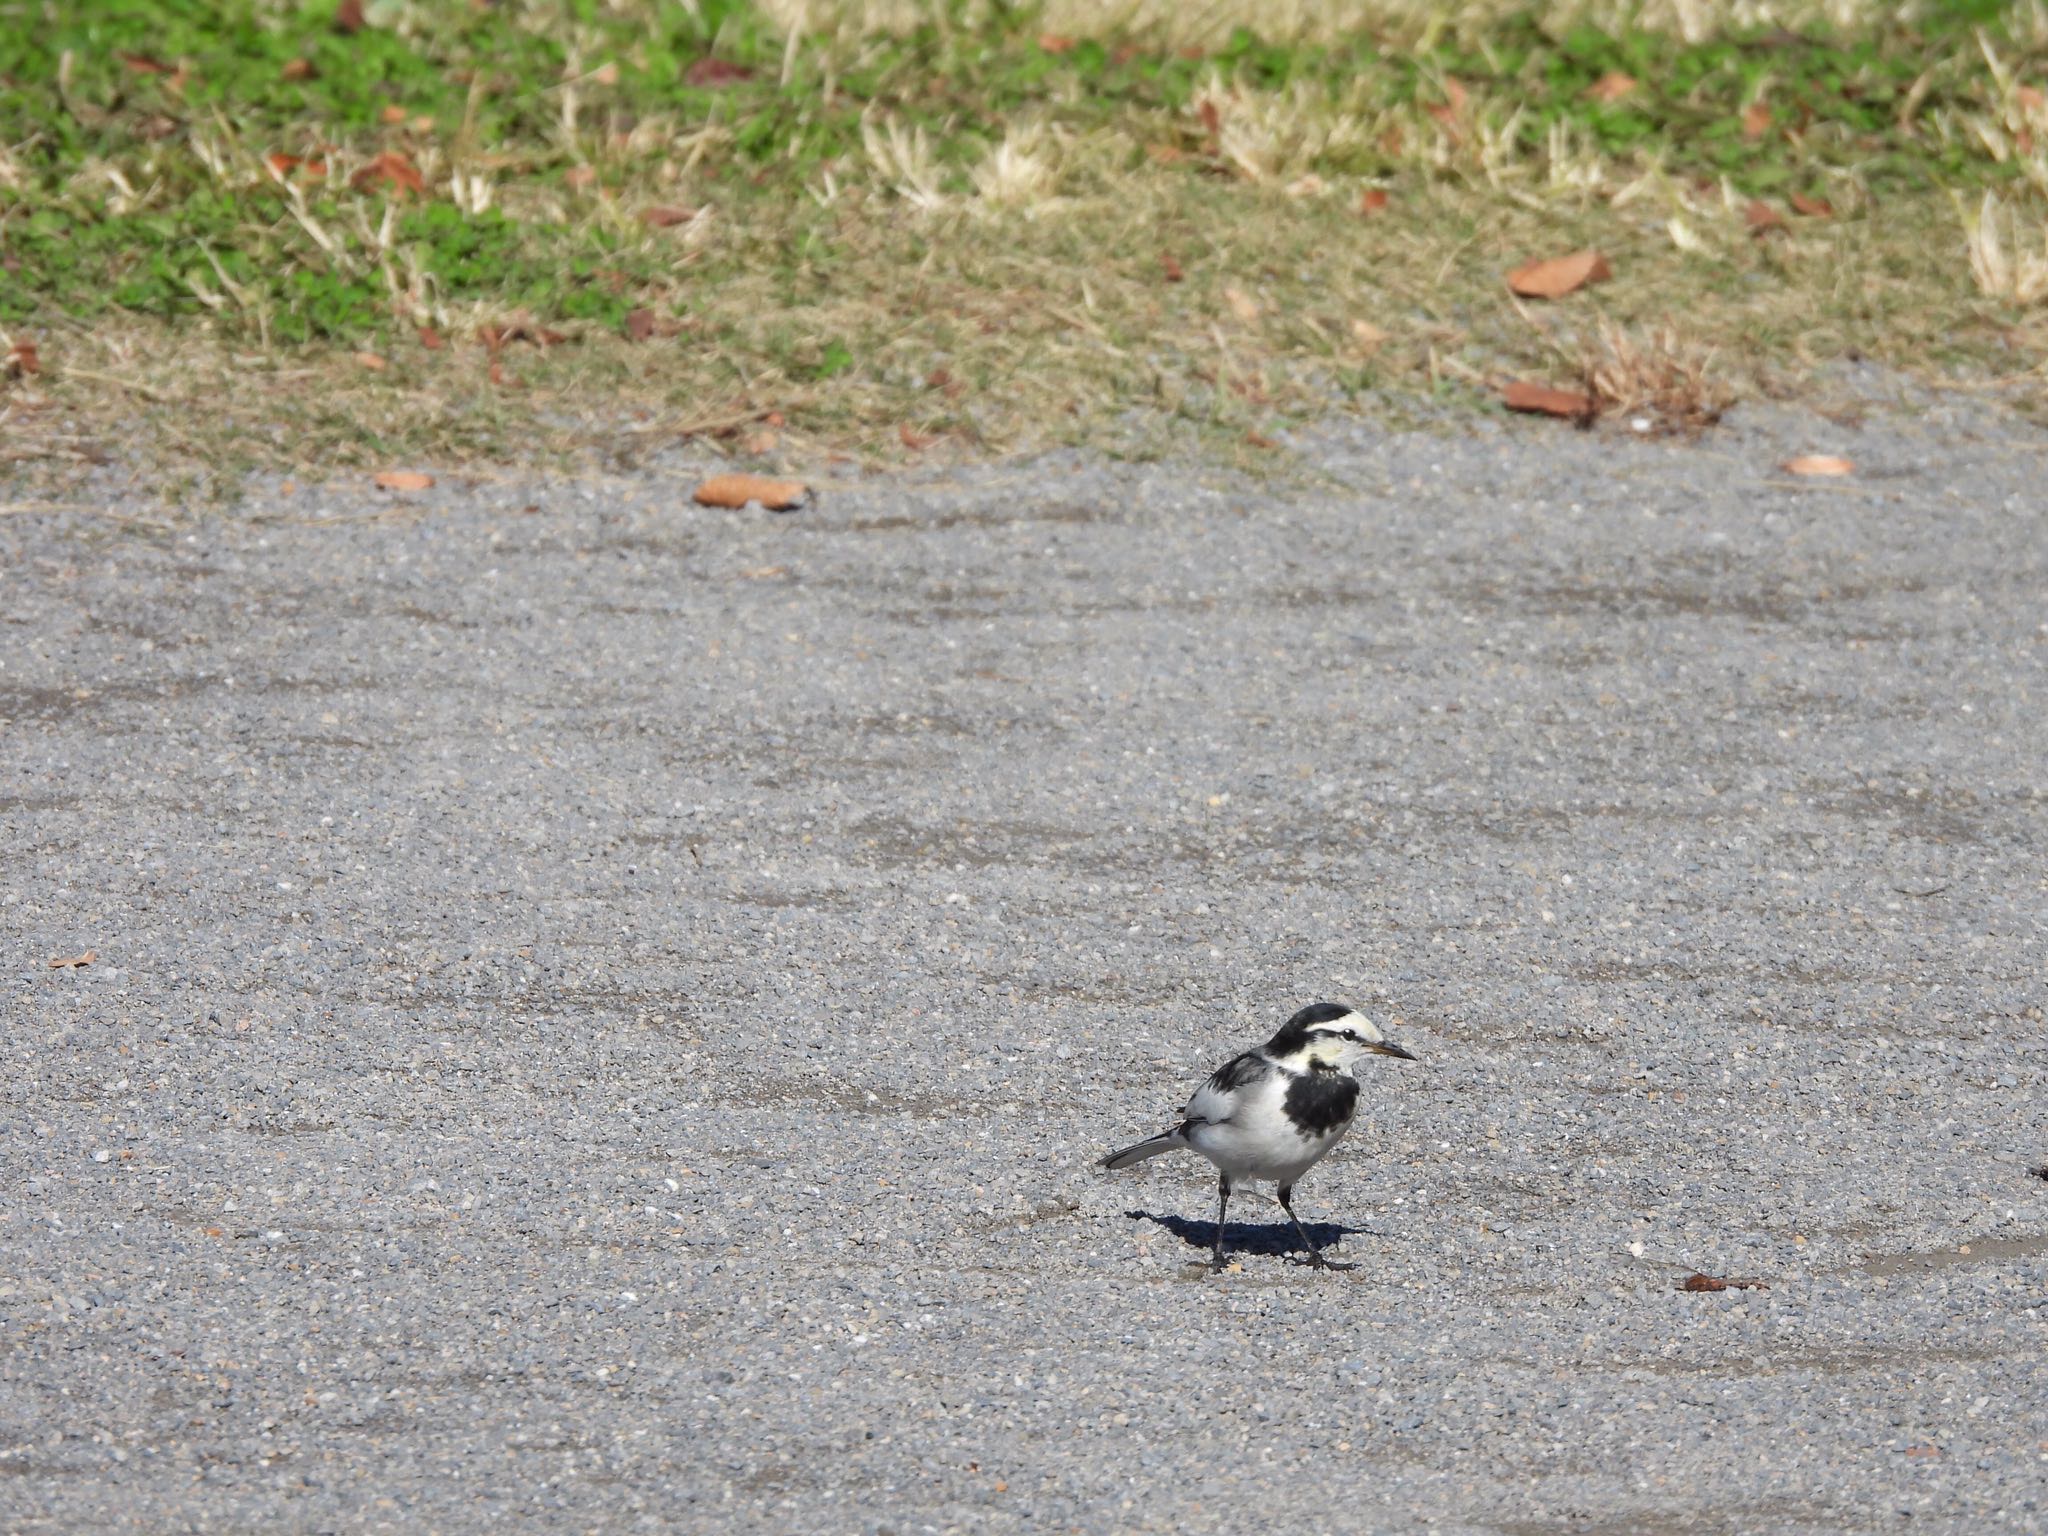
point(1388, 1048)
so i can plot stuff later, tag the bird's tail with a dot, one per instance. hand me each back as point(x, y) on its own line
point(1138, 1151)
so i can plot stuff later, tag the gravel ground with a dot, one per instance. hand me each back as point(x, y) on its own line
point(603, 1011)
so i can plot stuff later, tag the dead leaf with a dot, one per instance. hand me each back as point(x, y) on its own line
point(1373, 200)
point(1819, 464)
point(1055, 42)
point(1170, 267)
point(24, 360)
point(666, 218)
point(371, 361)
point(1559, 275)
point(775, 419)
point(1260, 440)
point(402, 480)
point(1611, 87)
point(390, 169)
point(2030, 98)
point(758, 443)
point(914, 440)
point(1166, 154)
point(1927, 1452)
point(1453, 107)
point(1369, 337)
point(1542, 400)
point(605, 74)
point(73, 962)
point(737, 490)
point(299, 69)
point(1812, 207)
point(499, 377)
point(393, 115)
point(348, 17)
point(1761, 217)
point(1756, 121)
point(1212, 118)
point(639, 324)
point(709, 71)
point(1242, 304)
point(431, 338)
point(580, 176)
point(142, 64)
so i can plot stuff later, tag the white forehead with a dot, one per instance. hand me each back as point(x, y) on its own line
point(1354, 1021)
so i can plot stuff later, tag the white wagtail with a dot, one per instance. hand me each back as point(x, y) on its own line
point(1274, 1112)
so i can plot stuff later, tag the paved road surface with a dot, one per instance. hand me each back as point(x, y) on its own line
point(603, 1010)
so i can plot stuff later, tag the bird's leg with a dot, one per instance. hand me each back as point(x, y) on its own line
point(1315, 1254)
point(1222, 1205)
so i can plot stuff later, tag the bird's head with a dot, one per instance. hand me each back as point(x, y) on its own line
point(1332, 1036)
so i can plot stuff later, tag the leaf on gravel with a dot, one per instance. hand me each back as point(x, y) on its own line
point(1611, 87)
point(73, 962)
point(389, 169)
point(1242, 304)
point(736, 491)
point(666, 218)
point(403, 480)
point(1756, 121)
point(913, 439)
point(1370, 338)
point(1812, 207)
point(1373, 200)
point(1761, 217)
point(1559, 275)
point(709, 71)
point(23, 360)
point(1819, 464)
point(1542, 400)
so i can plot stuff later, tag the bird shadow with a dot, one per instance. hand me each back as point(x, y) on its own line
point(1274, 1238)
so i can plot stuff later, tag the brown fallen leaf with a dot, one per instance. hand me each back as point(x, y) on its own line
point(298, 69)
point(1242, 304)
point(1370, 338)
point(1212, 119)
point(1559, 275)
point(1761, 217)
point(1611, 87)
point(1697, 1282)
point(1055, 42)
point(389, 169)
point(1260, 440)
point(393, 115)
point(913, 439)
point(1165, 154)
point(1373, 200)
point(1453, 107)
point(1170, 267)
point(1542, 400)
point(709, 71)
point(73, 962)
point(666, 218)
point(24, 360)
point(639, 324)
point(348, 17)
point(1819, 464)
point(759, 443)
point(1812, 207)
point(736, 491)
point(1756, 121)
point(142, 64)
point(577, 177)
point(402, 480)
point(371, 361)
point(431, 338)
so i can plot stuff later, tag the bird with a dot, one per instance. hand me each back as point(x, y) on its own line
point(1273, 1113)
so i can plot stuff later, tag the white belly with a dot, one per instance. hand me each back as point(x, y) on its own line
point(1259, 1142)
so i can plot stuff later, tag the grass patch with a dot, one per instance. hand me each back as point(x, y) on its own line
point(263, 233)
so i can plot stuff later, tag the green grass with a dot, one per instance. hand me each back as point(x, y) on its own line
point(155, 255)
